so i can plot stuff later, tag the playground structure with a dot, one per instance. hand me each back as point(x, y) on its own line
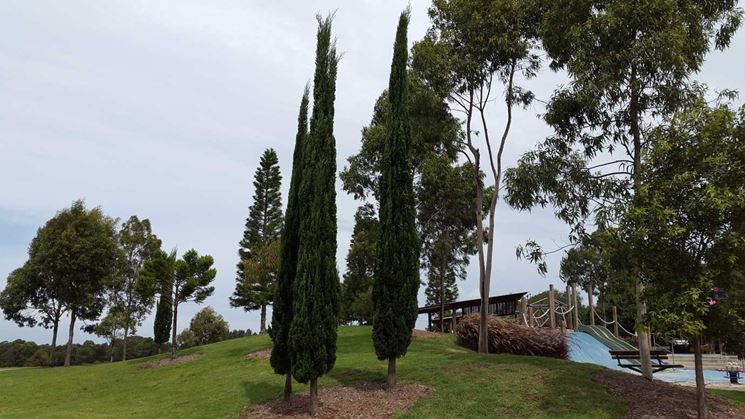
point(585, 339)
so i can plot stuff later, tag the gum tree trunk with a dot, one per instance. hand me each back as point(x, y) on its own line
point(703, 411)
point(68, 353)
point(55, 329)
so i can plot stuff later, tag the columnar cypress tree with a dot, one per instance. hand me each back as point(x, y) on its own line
point(263, 227)
point(397, 271)
point(282, 309)
point(315, 307)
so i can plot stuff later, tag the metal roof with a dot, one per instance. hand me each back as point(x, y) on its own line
point(472, 303)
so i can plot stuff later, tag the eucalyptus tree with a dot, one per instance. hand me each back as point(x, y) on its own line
point(629, 64)
point(30, 299)
point(690, 232)
point(77, 250)
point(473, 48)
point(139, 244)
point(356, 290)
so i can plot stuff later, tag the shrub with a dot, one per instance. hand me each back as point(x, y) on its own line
point(512, 338)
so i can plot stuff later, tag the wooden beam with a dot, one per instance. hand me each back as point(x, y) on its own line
point(589, 302)
point(551, 307)
point(615, 321)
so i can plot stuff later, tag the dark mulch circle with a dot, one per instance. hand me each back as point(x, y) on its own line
point(658, 399)
point(168, 361)
point(262, 354)
point(363, 401)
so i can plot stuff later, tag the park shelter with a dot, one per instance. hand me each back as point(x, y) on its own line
point(500, 305)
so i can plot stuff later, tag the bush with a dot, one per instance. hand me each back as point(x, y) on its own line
point(186, 339)
point(512, 338)
point(208, 327)
point(40, 358)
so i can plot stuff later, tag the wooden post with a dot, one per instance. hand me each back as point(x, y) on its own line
point(551, 307)
point(569, 304)
point(576, 307)
point(563, 327)
point(524, 310)
point(589, 302)
point(615, 320)
point(429, 321)
point(530, 316)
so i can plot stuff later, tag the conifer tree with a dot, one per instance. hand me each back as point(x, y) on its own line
point(282, 309)
point(313, 331)
point(156, 277)
point(397, 271)
point(254, 291)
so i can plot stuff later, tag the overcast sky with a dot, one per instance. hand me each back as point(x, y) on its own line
point(162, 109)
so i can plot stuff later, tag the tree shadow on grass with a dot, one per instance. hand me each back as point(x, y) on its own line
point(257, 392)
point(355, 375)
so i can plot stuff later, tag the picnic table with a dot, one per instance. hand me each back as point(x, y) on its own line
point(630, 360)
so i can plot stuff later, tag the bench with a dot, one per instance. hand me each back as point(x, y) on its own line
point(656, 354)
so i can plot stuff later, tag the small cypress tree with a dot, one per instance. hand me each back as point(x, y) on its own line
point(397, 272)
point(263, 227)
point(315, 306)
point(157, 275)
point(282, 309)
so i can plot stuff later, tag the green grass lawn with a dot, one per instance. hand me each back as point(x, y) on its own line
point(736, 396)
point(222, 384)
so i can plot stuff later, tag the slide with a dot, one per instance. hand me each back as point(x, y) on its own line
point(591, 345)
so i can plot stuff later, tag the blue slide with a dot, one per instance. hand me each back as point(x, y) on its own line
point(587, 349)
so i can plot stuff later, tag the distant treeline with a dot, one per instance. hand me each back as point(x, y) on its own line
point(21, 353)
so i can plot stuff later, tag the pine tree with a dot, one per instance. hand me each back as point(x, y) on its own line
point(263, 227)
point(157, 275)
point(282, 309)
point(313, 331)
point(397, 271)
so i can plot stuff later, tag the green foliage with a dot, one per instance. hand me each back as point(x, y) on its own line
point(445, 214)
point(186, 339)
point(192, 277)
point(630, 63)
point(31, 299)
point(282, 310)
point(397, 269)
point(690, 233)
point(356, 290)
point(40, 358)
point(312, 337)
point(208, 327)
point(257, 268)
point(138, 244)
point(156, 278)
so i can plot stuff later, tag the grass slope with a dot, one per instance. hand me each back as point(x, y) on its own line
point(222, 383)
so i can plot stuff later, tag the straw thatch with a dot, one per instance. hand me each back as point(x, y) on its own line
point(512, 338)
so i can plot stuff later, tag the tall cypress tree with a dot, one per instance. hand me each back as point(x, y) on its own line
point(290, 240)
point(315, 308)
point(263, 227)
point(397, 272)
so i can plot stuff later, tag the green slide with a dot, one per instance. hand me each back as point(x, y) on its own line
point(607, 338)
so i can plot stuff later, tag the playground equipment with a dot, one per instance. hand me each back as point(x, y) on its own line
point(546, 311)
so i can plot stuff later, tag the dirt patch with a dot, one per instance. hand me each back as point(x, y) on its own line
point(359, 401)
point(657, 399)
point(168, 361)
point(425, 334)
point(262, 354)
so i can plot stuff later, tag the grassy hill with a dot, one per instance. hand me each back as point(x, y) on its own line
point(222, 383)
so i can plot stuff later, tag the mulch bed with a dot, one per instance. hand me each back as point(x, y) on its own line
point(262, 354)
point(425, 334)
point(168, 361)
point(658, 399)
point(362, 401)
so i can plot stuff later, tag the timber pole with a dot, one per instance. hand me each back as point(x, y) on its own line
point(576, 307)
point(615, 320)
point(551, 307)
